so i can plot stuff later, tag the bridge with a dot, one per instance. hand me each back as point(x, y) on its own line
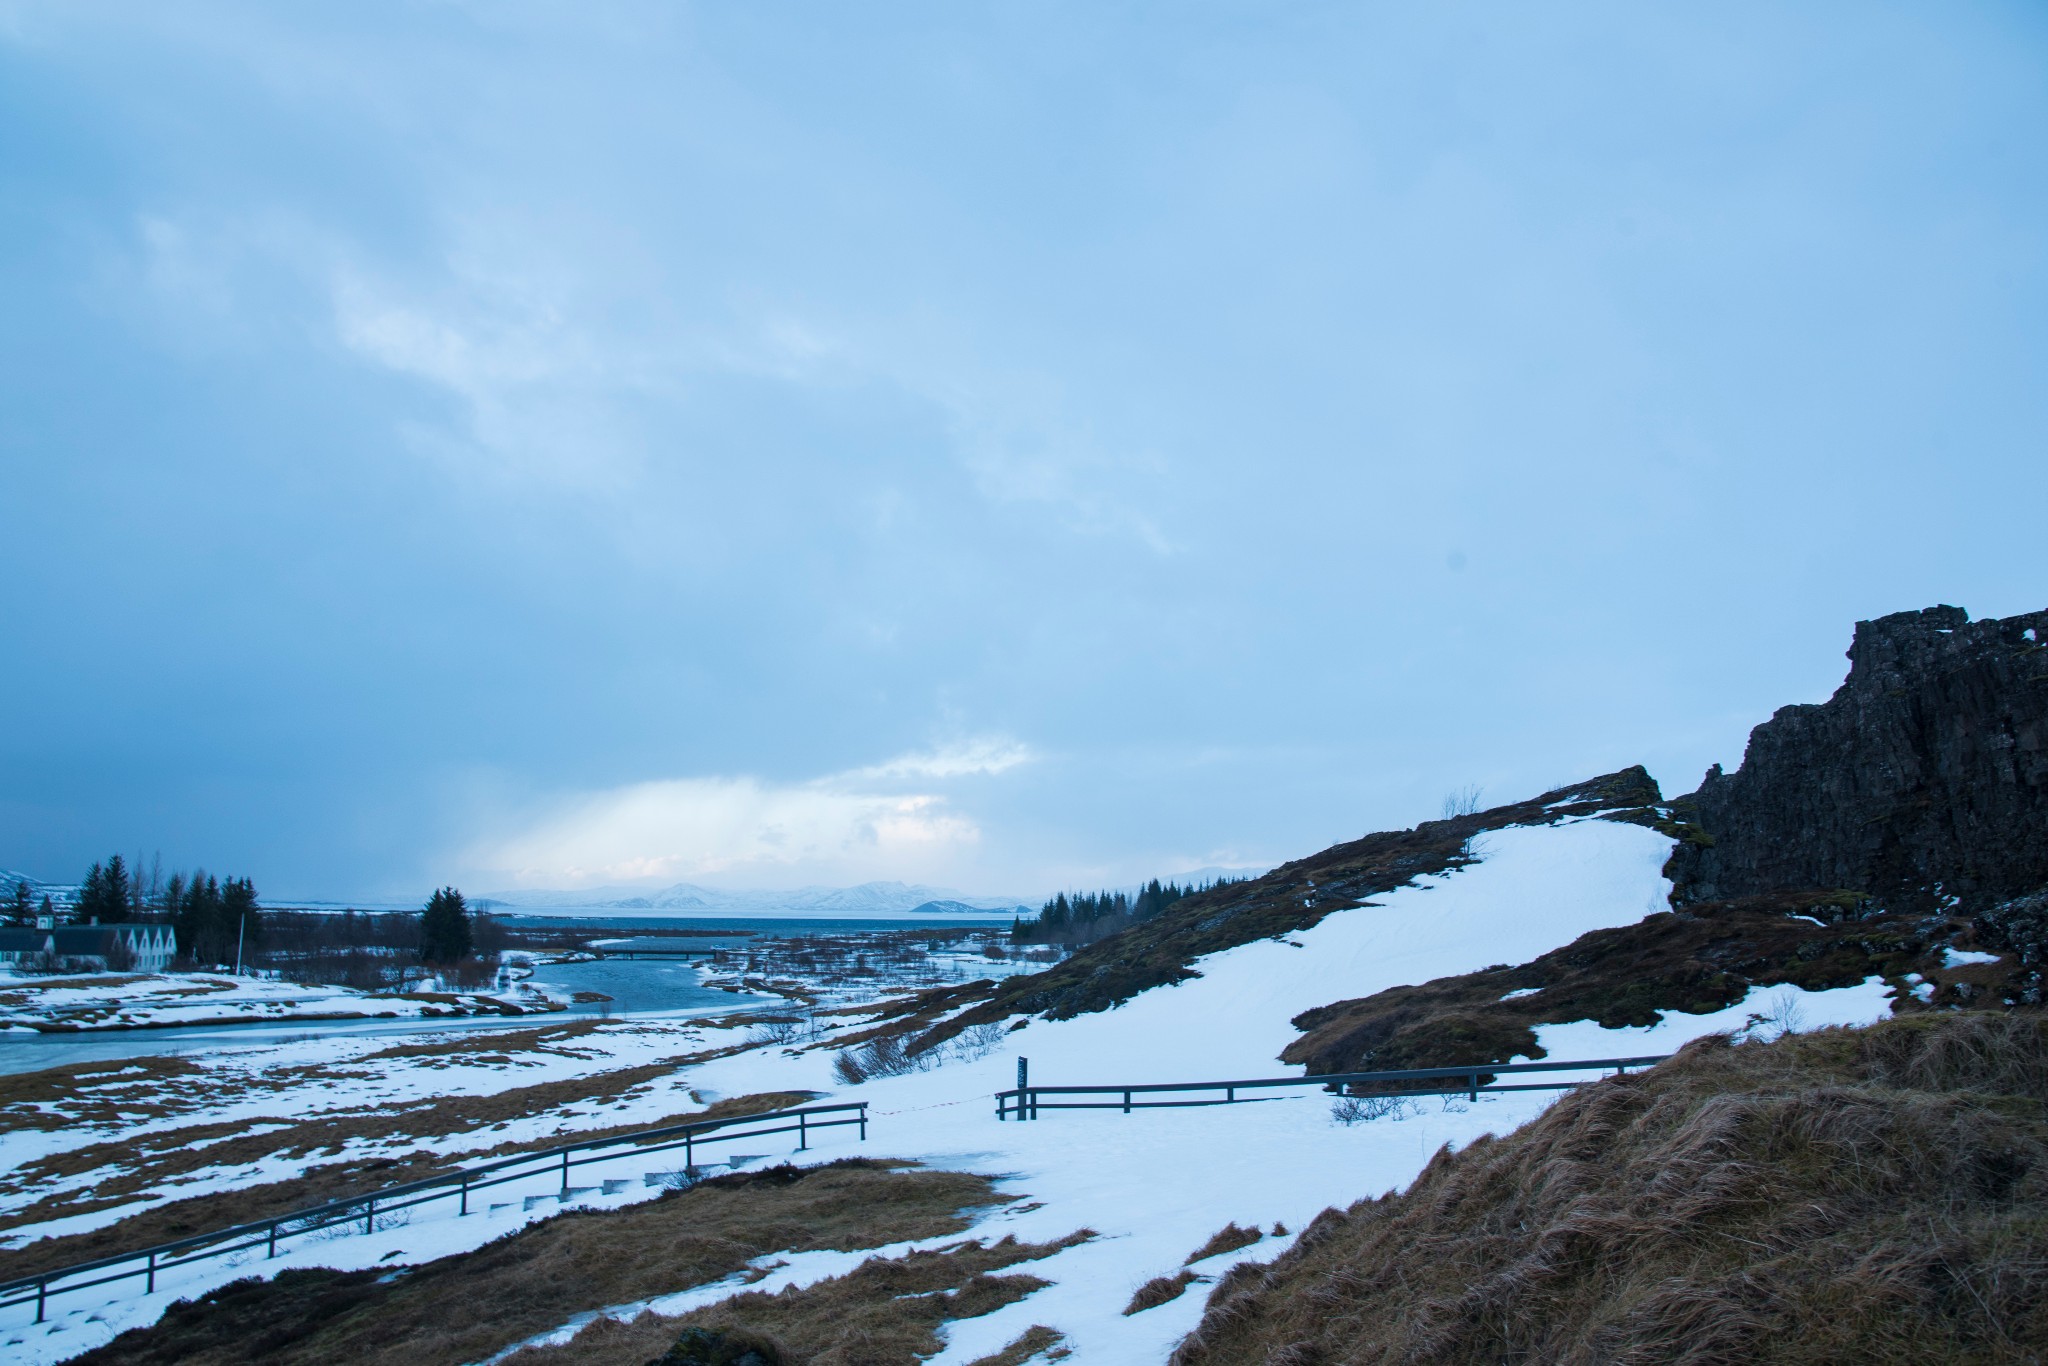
point(652, 947)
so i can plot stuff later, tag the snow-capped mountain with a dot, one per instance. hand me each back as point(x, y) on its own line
point(876, 899)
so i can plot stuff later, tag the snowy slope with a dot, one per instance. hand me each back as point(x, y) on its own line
point(1154, 1185)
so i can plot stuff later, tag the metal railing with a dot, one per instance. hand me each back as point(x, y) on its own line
point(1027, 1100)
point(149, 1262)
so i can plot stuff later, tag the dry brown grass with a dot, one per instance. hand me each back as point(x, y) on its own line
point(91, 1094)
point(466, 1307)
point(1032, 1341)
point(1873, 1195)
point(154, 1158)
point(885, 1312)
point(1159, 1290)
point(1229, 1238)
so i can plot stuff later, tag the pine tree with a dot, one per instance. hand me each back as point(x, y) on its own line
point(103, 896)
point(196, 920)
point(21, 910)
point(444, 928)
point(241, 919)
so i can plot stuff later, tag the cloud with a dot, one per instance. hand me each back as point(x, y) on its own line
point(985, 755)
point(744, 830)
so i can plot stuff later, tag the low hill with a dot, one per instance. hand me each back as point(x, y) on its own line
point(1293, 897)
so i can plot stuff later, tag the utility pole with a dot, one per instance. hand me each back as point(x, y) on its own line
point(241, 929)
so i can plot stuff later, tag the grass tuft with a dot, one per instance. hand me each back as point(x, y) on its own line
point(1159, 1290)
point(1229, 1238)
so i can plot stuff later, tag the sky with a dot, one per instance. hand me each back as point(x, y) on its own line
point(996, 446)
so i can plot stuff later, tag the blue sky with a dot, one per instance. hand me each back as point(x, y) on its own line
point(1002, 446)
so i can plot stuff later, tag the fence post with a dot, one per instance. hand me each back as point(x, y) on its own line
point(863, 1121)
point(1023, 1086)
point(1230, 1095)
point(465, 1194)
point(1127, 1102)
point(370, 1215)
point(689, 1161)
point(42, 1293)
point(273, 1239)
point(1474, 1094)
point(803, 1134)
point(149, 1286)
point(565, 1173)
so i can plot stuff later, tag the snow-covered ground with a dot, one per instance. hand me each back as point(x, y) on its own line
point(128, 1000)
point(1153, 1185)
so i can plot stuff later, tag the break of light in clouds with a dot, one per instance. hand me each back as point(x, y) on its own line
point(745, 832)
point(444, 441)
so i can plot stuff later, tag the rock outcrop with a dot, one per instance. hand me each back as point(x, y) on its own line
point(1922, 783)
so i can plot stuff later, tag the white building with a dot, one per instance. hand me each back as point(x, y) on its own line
point(131, 948)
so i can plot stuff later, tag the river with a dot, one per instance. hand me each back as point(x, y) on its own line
point(638, 988)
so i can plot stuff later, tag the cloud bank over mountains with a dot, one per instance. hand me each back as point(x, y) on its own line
point(879, 818)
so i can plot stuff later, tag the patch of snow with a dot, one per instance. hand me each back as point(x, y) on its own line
point(1763, 1013)
point(1956, 958)
point(1519, 992)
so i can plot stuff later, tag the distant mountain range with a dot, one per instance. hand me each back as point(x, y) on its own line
point(878, 899)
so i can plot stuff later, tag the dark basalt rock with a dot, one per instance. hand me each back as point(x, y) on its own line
point(1922, 783)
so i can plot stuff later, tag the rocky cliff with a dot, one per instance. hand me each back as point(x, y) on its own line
point(1922, 783)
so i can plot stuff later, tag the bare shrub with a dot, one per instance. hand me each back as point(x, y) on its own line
point(1780, 1016)
point(1462, 801)
point(978, 1041)
point(776, 1029)
point(1349, 1110)
point(895, 1055)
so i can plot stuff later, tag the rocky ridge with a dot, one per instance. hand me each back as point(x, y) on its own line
point(1922, 784)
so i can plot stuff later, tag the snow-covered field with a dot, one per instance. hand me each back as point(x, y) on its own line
point(1154, 1185)
point(126, 1000)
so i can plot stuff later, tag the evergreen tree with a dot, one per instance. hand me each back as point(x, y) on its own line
point(241, 920)
point(103, 896)
point(197, 922)
point(444, 928)
point(21, 909)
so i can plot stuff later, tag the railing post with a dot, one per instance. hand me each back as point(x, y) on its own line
point(863, 1121)
point(1474, 1093)
point(689, 1161)
point(370, 1215)
point(273, 1239)
point(149, 1286)
point(803, 1133)
point(1127, 1102)
point(1230, 1095)
point(465, 1194)
point(42, 1293)
point(565, 1173)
